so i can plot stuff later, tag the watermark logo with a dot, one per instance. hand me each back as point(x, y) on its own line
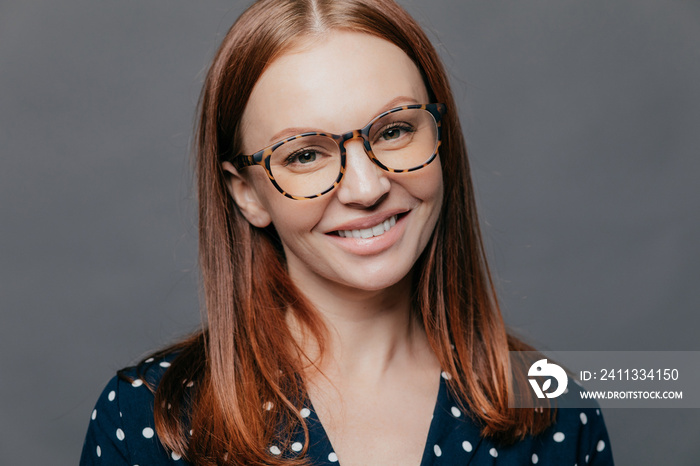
point(542, 368)
point(613, 379)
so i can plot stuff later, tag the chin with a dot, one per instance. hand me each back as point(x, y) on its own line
point(375, 280)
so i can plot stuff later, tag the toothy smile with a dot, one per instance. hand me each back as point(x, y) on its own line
point(365, 233)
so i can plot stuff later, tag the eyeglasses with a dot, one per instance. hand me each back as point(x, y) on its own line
point(309, 165)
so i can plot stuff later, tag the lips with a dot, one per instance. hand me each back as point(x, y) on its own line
point(371, 235)
point(375, 230)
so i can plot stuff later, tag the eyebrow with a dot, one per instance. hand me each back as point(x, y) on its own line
point(293, 131)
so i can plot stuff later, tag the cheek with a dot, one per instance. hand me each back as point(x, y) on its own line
point(429, 188)
point(427, 185)
point(294, 222)
point(286, 214)
point(292, 218)
point(274, 202)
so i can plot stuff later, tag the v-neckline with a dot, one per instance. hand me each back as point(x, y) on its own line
point(321, 450)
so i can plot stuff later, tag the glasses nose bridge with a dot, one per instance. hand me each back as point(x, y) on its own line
point(350, 135)
point(354, 134)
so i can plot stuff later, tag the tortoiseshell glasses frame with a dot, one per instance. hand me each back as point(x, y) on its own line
point(263, 156)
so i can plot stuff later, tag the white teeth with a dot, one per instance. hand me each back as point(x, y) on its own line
point(365, 233)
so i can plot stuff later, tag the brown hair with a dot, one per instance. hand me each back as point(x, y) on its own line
point(246, 356)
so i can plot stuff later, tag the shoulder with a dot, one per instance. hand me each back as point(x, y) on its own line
point(121, 429)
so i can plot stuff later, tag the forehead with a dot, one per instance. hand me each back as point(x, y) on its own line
point(335, 82)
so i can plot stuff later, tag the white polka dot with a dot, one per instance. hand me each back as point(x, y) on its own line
point(190, 384)
point(268, 405)
point(94, 414)
point(137, 383)
point(191, 432)
point(305, 412)
point(98, 450)
point(111, 395)
point(164, 364)
point(445, 375)
point(559, 437)
point(586, 458)
point(584, 418)
point(149, 360)
point(437, 450)
point(332, 457)
point(297, 446)
point(600, 446)
point(120, 434)
point(175, 456)
point(493, 452)
point(467, 446)
point(275, 450)
point(455, 411)
point(148, 432)
point(597, 411)
point(535, 459)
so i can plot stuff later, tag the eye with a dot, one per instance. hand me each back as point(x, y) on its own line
point(391, 133)
point(394, 132)
point(302, 157)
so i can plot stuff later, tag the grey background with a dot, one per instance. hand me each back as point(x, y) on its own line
point(582, 123)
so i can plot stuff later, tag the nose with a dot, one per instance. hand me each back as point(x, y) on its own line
point(364, 184)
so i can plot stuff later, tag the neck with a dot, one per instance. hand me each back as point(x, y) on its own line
point(370, 332)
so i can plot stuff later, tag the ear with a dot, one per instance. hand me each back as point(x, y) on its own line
point(245, 196)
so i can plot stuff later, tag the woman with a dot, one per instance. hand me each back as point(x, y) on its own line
point(344, 276)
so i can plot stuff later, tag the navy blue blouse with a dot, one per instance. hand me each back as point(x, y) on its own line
point(122, 432)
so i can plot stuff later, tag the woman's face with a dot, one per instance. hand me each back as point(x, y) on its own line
point(337, 83)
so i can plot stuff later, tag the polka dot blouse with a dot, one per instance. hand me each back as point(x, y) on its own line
point(121, 432)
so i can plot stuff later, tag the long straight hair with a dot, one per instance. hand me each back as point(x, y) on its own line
point(245, 357)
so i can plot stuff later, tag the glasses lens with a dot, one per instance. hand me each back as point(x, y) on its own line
point(306, 166)
point(404, 139)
